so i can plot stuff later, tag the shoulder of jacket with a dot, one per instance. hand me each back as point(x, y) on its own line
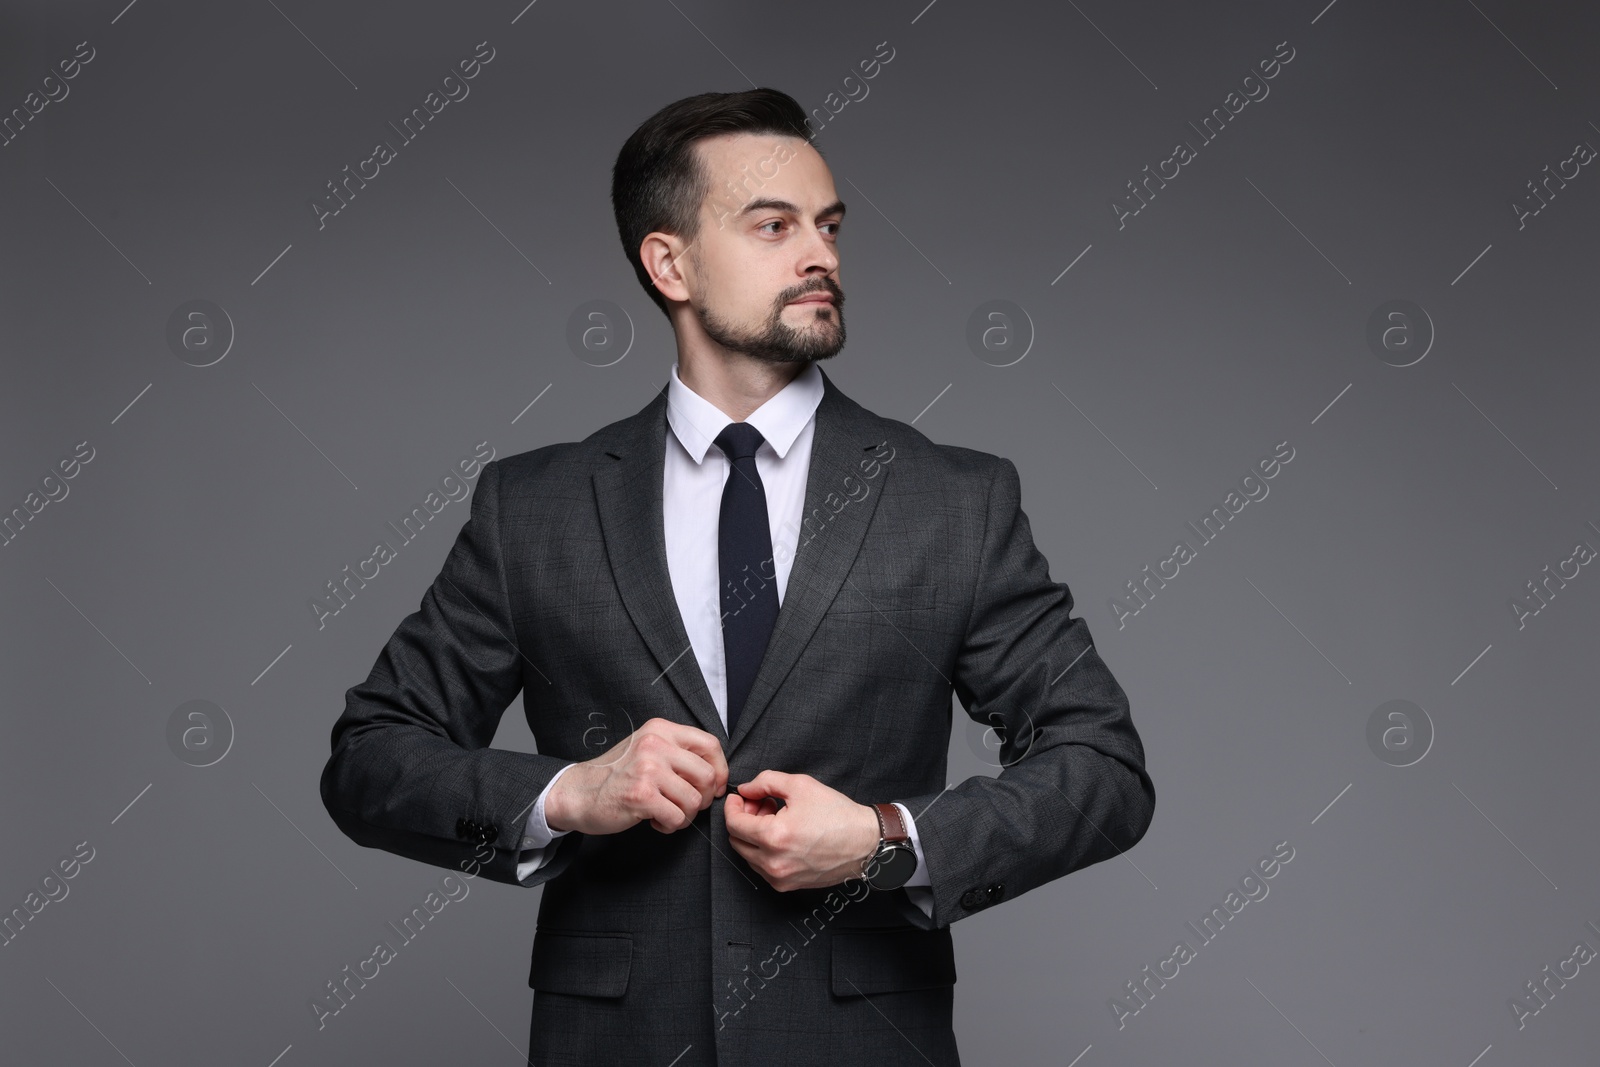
point(562, 458)
point(941, 461)
point(569, 458)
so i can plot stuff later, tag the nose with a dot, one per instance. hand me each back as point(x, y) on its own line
point(819, 254)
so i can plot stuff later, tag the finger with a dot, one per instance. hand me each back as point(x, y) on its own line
point(670, 760)
point(744, 823)
point(665, 816)
point(753, 822)
point(768, 784)
point(753, 854)
point(693, 768)
point(677, 803)
point(708, 748)
point(737, 814)
point(764, 806)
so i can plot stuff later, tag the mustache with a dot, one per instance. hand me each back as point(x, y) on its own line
point(822, 285)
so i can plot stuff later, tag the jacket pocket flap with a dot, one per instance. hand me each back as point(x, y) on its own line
point(584, 964)
point(879, 961)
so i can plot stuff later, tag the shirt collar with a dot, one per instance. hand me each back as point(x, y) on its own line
point(697, 421)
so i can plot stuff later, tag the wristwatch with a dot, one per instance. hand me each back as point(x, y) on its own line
point(894, 861)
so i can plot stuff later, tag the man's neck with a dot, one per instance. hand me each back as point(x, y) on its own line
point(734, 382)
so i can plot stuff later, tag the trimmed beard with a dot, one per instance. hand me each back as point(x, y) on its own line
point(775, 341)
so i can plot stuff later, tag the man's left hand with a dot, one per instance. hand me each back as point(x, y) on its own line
point(818, 838)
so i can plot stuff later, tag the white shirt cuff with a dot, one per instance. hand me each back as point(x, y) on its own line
point(918, 886)
point(537, 837)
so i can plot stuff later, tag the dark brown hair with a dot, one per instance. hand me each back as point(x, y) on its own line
point(658, 182)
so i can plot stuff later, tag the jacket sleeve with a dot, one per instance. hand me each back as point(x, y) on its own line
point(411, 771)
point(1073, 789)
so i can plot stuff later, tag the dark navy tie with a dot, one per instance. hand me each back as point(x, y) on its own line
point(748, 579)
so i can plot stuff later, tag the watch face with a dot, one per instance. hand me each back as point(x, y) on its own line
point(895, 865)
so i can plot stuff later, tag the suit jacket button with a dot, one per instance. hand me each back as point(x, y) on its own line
point(461, 828)
point(997, 892)
point(971, 900)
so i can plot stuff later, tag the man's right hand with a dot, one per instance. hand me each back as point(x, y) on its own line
point(666, 772)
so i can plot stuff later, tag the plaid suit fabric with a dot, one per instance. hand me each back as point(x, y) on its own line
point(915, 578)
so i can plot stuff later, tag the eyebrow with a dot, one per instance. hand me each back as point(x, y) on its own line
point(769, 204)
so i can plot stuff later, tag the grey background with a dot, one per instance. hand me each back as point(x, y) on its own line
point(1226, 317)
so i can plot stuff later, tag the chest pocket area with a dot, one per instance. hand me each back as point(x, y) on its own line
point(858, 598)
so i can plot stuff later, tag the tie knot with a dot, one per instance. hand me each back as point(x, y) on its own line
point(739, 440)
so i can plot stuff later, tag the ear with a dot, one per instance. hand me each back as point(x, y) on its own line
point(665, 259)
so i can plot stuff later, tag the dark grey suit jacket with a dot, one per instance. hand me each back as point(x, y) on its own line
point(916, 575)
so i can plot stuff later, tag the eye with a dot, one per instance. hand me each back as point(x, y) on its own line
point(774, 222)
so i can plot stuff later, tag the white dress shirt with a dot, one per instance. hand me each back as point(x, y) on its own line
point(692, 479)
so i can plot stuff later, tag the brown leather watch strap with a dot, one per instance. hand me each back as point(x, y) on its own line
point(890, 824)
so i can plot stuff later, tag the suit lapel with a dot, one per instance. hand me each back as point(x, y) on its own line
point(831, 532)
point(628, 495)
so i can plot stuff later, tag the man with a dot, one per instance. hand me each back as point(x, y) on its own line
point(737, 619)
